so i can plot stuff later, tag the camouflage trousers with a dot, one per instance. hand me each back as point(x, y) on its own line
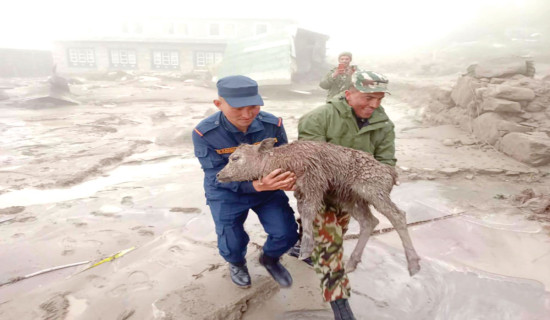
point(327, 257)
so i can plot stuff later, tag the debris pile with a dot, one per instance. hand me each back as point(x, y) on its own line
point(56, 92)
point(538, 205)
point(503, 106)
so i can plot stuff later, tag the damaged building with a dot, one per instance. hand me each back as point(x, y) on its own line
point(190, 47)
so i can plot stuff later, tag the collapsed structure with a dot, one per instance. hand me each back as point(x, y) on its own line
point(502, 105)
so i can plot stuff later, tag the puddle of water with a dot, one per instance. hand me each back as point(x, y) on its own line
point(423, 200)
point(384, 290)
point(122, 174)
point(476, 266)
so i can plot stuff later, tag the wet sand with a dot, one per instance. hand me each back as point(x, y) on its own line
point(118, 172)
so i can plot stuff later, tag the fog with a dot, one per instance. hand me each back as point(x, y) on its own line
point(393, 27)
point(97, 159)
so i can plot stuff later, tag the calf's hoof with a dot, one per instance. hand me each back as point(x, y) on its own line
point(350, 266)
point(305, 252)
point(414, 267)
point(304, 255)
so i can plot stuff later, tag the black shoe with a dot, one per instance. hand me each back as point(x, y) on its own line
point(279, 273)
point(295, 252)
point(341, 310)
point(239, 275)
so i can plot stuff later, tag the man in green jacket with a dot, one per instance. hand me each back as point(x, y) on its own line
point(338, 79)
point(355, 120)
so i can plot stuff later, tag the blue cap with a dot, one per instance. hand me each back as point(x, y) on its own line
point(239, 91)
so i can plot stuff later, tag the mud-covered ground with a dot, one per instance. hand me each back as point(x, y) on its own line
point(81, 183)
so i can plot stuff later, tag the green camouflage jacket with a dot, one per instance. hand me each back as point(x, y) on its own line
point(334, 122)
point(335, 85)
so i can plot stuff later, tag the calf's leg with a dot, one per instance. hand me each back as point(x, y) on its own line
point(385, 206)
point(367, 223)
point(308, 208)
point(309, 205)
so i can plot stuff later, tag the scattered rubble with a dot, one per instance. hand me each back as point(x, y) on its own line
point(537, 204)
point(55, 93)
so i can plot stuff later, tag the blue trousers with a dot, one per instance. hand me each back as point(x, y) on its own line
point(276, 217)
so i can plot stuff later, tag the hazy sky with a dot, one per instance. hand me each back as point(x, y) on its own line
point(383, 26)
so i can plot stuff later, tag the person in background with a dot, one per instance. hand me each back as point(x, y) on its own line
point(338, 79)
point(215, 138)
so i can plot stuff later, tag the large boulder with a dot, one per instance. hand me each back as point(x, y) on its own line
point(509, 93)
point(526, 82)
point(443, 95)
point(502, 68)
point(500, 105)
point(486, 127)
point(505, 127)
point(497, 80)
point(538, 104)
point(464, 90)
point(533, 148)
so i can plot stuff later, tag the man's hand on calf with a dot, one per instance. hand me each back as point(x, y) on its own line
point(276, 180)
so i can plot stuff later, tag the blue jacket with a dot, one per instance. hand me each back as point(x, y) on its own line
point(214, 139)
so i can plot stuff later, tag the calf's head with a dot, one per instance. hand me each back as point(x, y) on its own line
point(247, 162)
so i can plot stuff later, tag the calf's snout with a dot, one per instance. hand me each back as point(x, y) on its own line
point(221, 177)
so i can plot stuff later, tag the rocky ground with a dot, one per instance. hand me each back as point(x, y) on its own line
point(81, 183)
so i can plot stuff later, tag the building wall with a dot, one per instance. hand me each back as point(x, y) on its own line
point(192, 28)
point(192, 39)
point(143, 53)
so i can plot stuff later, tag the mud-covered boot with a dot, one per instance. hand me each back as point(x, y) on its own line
point(279, 273)
point(341, 310)
point(239, 275)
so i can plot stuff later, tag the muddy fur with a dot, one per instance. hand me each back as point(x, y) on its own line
point(351, 178)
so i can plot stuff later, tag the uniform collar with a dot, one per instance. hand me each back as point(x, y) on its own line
point(255, 126)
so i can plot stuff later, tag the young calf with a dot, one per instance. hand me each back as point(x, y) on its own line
point(352, 177)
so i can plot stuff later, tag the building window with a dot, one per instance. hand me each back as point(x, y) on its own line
point(81, 57)
point(166, 60)
point(214, 29)
point(229, 30)
point(182, 29)
point(138, 28)
point(171, 28)
point(123, 59)
point(261, 28)
point(207, 58)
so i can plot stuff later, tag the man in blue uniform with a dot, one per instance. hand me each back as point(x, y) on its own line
point(215, 138)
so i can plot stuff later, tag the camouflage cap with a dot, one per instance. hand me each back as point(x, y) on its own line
point(369, 81)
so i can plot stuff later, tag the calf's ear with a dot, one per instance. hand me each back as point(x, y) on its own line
point(266, 144)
